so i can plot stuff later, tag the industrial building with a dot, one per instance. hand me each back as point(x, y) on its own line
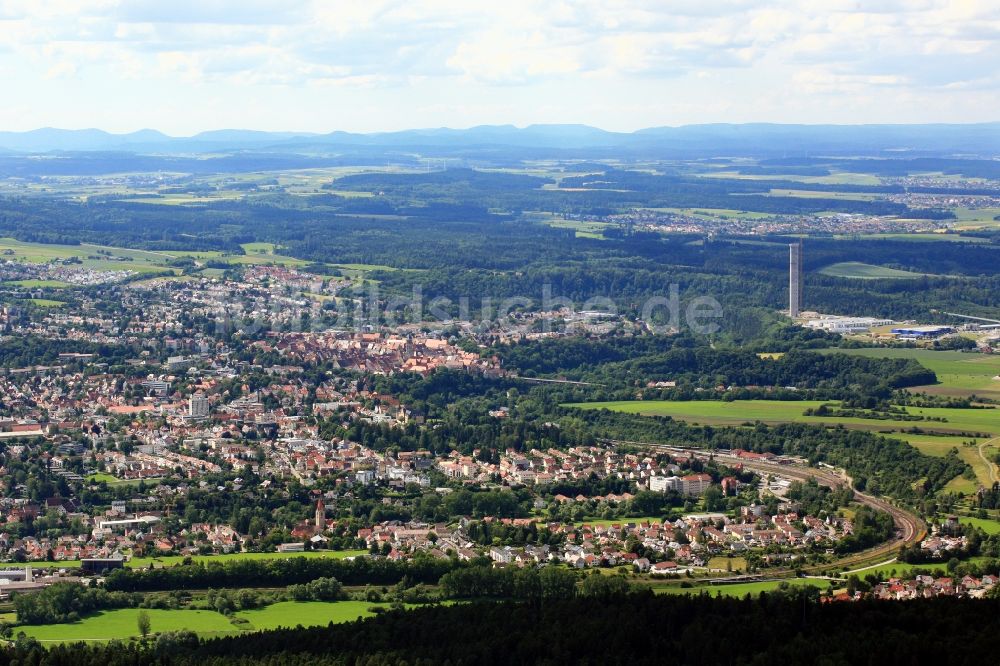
point(842, 325)
point(922, 332)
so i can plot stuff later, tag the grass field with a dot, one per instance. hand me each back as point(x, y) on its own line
point(97, 477)
point(593, 230)
point(985, 524)
point(61, 564)
point(259, 248)
point(604, 522)
point(899, 569)
point(138, 562)
point(41, 284)
point(307, 613)
point(738, 589)
point(959, 374)
point(858, 270)
point(123, 624)
point(728, 563)
point(737, 412)
point(940, 446)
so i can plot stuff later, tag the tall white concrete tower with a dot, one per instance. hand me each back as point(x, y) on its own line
point(795, 279)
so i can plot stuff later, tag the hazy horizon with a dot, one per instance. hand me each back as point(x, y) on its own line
point(465, 128)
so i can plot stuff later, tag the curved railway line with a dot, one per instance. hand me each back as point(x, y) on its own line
point(910, 528)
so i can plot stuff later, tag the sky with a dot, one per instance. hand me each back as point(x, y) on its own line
point(184, 66)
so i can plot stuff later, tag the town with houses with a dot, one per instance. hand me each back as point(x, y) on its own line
point(174, 411)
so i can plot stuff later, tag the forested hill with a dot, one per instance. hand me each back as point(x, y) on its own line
point(650, 359)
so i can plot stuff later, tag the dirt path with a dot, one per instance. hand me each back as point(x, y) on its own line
point(986, 461)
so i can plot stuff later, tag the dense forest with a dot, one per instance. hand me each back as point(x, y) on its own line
point(618, 362)
point(786, 627)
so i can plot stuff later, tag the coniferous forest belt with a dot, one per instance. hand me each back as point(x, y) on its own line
point(785, 628)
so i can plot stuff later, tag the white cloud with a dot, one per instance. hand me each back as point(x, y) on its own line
point(414, 50)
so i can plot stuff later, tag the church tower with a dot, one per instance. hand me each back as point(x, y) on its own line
point(320, 515)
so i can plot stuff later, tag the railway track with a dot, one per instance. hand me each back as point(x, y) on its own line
point(910, 528)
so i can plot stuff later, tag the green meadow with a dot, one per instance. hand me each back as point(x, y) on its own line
point(41, 284)
point(122, 624)
point(739, 589)
point(858, 270)
point(899, 569)
point(958, 373)
point(985, 524)
point(738, 412)
point(306, 613)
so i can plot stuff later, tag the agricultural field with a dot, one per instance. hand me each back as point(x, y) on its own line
point(738, 412)
point(977, 218)
point(710, 213)
point(815, 194)
point(583, 228)
point(153, 264)
point(858, 270)
point(834, 178)
point(959, 374)
point(183, 199)
point(928, 237)
point(96, 257)
point(40, 284)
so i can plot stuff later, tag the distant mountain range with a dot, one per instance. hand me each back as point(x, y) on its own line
point(982, 140)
